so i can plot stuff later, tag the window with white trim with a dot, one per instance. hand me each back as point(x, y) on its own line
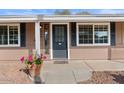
point(85, 34)
point(9, 35)
point(3, 35)
point(93, 34)
point(101, 33)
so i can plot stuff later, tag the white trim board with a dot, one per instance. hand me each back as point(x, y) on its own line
point(51, 39)
point(62, 18)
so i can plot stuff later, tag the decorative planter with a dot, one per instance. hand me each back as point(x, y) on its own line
point(37, 69)
point(33, 73)
point(33, 66)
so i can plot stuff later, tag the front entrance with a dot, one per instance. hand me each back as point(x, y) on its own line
point(59, 41)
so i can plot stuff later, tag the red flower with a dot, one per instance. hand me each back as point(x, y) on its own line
point(22, 59)
point(30, 58)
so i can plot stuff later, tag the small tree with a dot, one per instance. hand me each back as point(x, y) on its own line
point(57, 12)
point(83, 13)
point(63, 12)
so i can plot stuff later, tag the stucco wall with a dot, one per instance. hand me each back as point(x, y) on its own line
point(114, 52)
point(89, 53)
point(14, 53)
point(117, 53)
point(30, 35)
point(76, 52)
point(118, 34)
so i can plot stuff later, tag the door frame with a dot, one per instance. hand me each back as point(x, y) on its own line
point(51, 39)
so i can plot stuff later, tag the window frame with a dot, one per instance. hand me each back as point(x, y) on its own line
point(93, 44)
point(12, 45)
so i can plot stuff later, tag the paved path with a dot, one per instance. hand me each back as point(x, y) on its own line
point(76, 70)
point(70, 73)
point(106, 65)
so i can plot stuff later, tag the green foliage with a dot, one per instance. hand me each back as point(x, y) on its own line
point(26, 62)
point(38, 61)
point(32, 60)
point(83, 13)
point(62, 12)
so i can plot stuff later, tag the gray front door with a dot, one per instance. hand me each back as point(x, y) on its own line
point(59, 41)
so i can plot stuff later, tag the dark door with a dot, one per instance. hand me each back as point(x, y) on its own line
point(59, 41)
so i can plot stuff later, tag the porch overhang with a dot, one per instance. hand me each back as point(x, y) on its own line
point(18, 18)
point(61, 18)
point(81, 18)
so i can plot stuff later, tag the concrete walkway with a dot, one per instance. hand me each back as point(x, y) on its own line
point(77, 70)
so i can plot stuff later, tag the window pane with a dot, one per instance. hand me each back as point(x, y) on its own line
point(3, 35)
point(59, 32)
point(101, 33)
point(85, 34)
point(13, 34)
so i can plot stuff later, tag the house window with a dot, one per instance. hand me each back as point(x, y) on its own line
point(3, 35)
point(13, 34)
point(85, 34)
point(9, 35)
point(59, 32)
point(101, 33)
point(93, 34)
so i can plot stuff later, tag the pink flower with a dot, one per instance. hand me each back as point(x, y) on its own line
point(30, 58)
point(43, 57)
point(22, 59)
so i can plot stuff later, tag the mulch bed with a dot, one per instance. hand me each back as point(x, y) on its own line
point(105, 77)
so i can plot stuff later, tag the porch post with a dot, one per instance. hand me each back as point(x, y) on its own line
point(37, 37)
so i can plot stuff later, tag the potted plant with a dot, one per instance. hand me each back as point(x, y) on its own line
point(33, 64)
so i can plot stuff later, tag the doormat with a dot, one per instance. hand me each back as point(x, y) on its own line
point(60, 62)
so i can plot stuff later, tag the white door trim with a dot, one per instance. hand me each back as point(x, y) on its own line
point(51, 39)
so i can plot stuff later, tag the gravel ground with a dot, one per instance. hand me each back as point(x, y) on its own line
point(106, 77)
point(10, 74)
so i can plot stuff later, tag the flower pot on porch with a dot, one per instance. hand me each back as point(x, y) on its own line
point(33, 66)
point(37, 70)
